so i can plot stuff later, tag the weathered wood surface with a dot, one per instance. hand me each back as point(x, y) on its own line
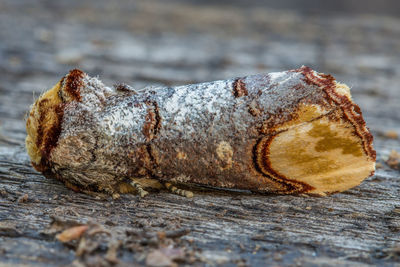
point(157, 43)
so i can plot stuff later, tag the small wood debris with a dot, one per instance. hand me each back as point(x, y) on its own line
point(8, 228)
point(3, 193)
point(112, 252)
point(394, 160)
point(379, 165)
point(72, 233)
point(22, 199)
point(101, 244)
point(164, 257)
point(391, 134)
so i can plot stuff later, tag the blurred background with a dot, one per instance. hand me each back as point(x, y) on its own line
point(159, 42)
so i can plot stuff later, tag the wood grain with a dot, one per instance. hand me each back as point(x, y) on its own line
point(155, 43)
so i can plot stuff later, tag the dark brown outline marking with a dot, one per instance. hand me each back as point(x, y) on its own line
point(122, 87)
point(351, 111)
point(52, 135)
point(262, 163)
point(47, 141)
point(150, 129)
point(153, 121)
point(239, 88)
point(72, 84)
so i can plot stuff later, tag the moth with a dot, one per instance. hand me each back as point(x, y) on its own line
point(290, 132)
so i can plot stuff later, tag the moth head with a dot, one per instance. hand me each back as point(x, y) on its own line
point(43, 124)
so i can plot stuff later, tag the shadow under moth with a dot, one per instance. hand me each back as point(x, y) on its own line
point(289, 132)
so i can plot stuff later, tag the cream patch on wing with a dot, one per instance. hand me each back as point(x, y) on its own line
point(324, 153)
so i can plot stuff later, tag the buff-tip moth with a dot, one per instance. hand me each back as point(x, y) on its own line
point(286, 132)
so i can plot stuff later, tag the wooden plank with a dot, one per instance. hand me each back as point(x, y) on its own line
point(154, 43)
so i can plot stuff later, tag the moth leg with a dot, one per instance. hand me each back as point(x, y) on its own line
point(178, 191)
point(98, 195)
point(113, 193)
point(139, 189)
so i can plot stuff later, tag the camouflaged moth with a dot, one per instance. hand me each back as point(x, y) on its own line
point(286, 132)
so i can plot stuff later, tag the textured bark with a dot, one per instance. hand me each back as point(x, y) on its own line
point(289, 132)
